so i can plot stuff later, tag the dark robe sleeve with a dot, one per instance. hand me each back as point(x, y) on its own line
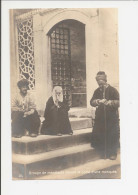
point(64, 105)
point(95, 99)
point(48, 115)
point(49, 106)
point(115, 94)
point(115, 103)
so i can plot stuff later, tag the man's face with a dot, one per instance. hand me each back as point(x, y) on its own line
point(101, 83)
point(58, 93)
point(23, 90)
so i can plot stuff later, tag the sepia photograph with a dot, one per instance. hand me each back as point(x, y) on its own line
point(69, 97)
point(64, 85)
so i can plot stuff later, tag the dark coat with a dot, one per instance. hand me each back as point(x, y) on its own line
point(105, 133)
point(56, 119)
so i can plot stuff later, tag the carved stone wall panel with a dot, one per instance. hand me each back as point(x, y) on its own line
point(26, 51)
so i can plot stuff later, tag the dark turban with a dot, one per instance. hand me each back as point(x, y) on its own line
point(101, 76)
point(23, 82)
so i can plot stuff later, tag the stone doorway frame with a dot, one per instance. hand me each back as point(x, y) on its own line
point(42, 23)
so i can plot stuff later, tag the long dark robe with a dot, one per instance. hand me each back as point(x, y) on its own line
point(105, 135)
point(56, 119)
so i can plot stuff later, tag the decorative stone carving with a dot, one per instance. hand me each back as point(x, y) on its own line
point(26, 51)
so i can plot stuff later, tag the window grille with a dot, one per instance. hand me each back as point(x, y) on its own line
point(26, 51)
point(61, 60)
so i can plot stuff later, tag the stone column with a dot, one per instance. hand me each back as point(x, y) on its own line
point(14, 67)
point(92, 56)
point(46, 66)
point(42, 63)
point(38, 58)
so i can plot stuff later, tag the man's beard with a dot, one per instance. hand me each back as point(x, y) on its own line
point(59, 98)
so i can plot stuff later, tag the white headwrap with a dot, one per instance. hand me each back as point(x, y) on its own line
point(57, 97)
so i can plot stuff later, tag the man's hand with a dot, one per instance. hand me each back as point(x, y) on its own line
point(25, 114)
point(57, 103)
point(103, 101)
point(21, 110)
point(28, 113)
point(108, 103)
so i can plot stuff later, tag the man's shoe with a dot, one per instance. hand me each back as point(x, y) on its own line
point(59, 134)
point(33, 135)
point(17, 136)
point(113, 157)
point(71, 133)
point(26, 132)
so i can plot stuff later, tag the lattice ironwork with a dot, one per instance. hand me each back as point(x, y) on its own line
point(26, 51)
point(61, 60)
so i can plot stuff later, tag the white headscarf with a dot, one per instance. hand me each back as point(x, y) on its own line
point(57, 97)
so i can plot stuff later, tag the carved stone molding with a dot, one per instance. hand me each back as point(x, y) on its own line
point(34, 12)
point(88, 12)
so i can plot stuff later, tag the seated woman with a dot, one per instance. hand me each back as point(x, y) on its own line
point(56, 115)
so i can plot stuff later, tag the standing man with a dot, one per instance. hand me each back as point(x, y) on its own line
point(105, 135)
point(24, 115)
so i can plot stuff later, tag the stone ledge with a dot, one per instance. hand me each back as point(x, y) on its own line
point(45, 143)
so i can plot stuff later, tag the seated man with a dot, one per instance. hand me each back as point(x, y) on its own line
point(24, 115)
point(56, 115)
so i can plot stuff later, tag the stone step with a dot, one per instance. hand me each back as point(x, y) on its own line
point(45, 143)
point(30, 166)
point(98, 169)
point(80, 123)
point(79, 112)
point(82, 112)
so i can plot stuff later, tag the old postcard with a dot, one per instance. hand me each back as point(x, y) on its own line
point(64, 93)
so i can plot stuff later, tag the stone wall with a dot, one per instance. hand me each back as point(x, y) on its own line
point(100, 51)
